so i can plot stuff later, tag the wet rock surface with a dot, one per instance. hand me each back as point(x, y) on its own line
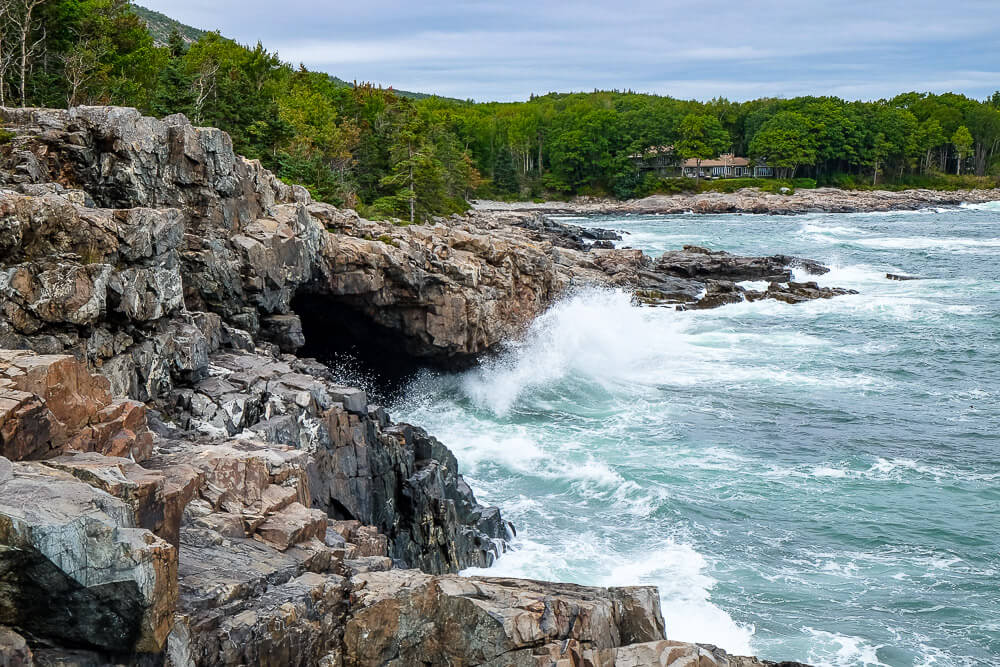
point(176, 487)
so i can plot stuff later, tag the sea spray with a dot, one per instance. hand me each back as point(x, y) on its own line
point(815, 482)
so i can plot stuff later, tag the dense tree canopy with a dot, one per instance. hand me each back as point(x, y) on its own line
point(412, 157)
point(786, 141)
point(701, 137)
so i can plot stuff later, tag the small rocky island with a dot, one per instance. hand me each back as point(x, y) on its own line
point(181, 484)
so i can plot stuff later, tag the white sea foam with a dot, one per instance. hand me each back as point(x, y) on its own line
point(824, 471)
point(852, 275)
point(832, 649)
point(587, 435)
point(597, 335)
point(985, 206)
point(679, 572)
point(831, 230)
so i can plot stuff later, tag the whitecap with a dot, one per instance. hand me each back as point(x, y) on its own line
point(831, 230)
point(679, 572)
point(833, 649)
point(984, 206)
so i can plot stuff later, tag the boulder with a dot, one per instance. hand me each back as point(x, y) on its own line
point(14, 651)
point(403, 617)
point(76, 569)
point(53, 403)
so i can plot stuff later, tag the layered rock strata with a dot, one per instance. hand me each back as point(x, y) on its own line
point(177, 487)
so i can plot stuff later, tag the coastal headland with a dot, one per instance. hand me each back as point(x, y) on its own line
point(183, 483)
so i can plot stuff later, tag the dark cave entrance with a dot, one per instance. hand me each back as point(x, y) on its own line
point(357, 350)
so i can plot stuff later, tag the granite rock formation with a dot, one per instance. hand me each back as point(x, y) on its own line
point(178, 488)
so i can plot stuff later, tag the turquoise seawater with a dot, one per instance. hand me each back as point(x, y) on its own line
point(817, 482)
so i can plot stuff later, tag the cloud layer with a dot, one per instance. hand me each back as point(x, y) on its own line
point(508, 50)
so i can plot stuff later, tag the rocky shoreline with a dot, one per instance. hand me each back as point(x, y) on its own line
point(753, 200)
point(181, 484)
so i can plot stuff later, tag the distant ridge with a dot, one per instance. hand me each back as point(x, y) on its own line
point(160, 26)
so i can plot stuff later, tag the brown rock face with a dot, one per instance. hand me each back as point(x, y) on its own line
point(52, 403)
point(408, 618)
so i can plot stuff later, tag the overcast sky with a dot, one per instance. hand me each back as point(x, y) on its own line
point(740, 49)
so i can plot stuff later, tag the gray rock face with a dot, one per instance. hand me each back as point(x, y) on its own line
point(360, 466)
point(74, 567)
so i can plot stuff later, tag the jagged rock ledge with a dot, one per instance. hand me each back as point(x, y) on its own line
point(178, 487)
point(754, 200)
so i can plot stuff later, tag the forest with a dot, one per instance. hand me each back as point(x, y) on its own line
point(412, 157)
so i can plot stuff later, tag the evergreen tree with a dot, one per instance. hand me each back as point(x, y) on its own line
point(504, 174)
point(174, 90)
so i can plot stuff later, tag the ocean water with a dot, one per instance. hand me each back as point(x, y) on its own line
point(817, 482)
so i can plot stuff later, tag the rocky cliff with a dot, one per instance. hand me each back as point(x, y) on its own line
point(178, 487)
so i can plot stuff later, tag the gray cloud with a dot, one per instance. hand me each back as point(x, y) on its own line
point(506, 51)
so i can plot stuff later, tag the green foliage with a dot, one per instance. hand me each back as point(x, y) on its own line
point(701, 137)
point(962, 141)
point(504, 174)
point(934, 181)
point(161, 27)
point(400, 155)
point(785, 141)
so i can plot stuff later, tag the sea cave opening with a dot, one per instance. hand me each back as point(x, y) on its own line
point(358, 350)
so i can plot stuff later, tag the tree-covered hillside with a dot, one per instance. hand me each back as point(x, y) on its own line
point(394, 154)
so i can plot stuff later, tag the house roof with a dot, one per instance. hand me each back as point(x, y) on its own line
point(721, 161)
